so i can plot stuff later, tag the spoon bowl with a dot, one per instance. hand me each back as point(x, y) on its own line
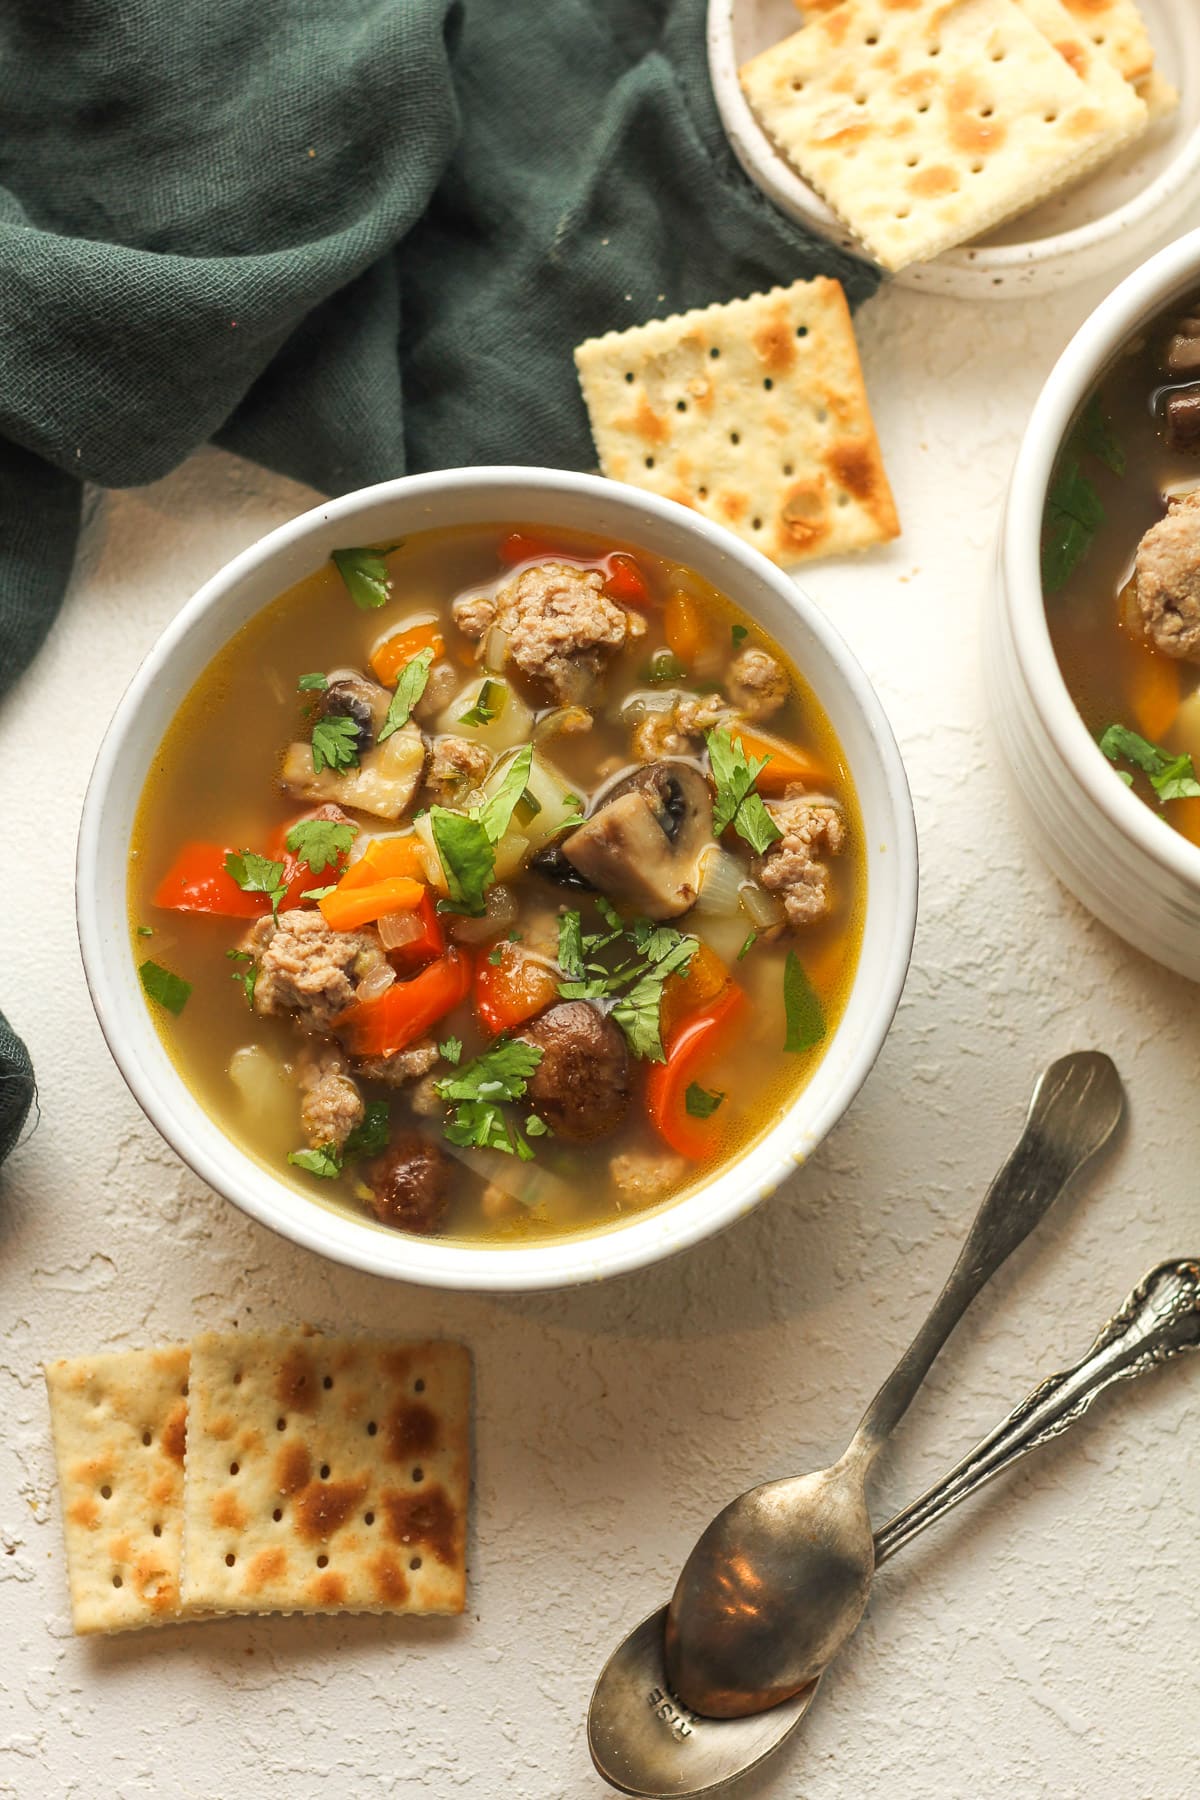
point(780, 1578)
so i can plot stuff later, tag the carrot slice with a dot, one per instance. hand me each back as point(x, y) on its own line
point(683, 624)
point(787, 763)
point(345, 910)
point(511, 990)
point(395, 652)
point(1153, 693)
point(384, 857)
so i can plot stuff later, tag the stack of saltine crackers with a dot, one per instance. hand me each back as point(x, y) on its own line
point(252, 1473)
point(924, 123)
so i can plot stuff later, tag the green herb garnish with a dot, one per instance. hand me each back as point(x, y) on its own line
point(370, 1135)
point(637, 982)
point(805, 1014)
point(309, 683)
point(664, 666)
point(324, 1161)
point(256, 874)
point(466, 842)
point(739, 634)
point(451, 1050)
point(738, 801)
point(1171, 777)
point(700, 1103)
point(409, 688)
point(748, 945)
point(320, 842)
point(144, 930)
point(365, 575)
point(480, 1090)
point(248, 977)
point(168, 989)
point(318, 893)
point(1074, 510)
point(1096, 432)
point(334, 743)
point(488, 706)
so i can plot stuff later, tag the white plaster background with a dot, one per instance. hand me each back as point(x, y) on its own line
point(1044, 1641)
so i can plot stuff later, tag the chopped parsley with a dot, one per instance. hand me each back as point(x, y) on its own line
point(748, 945)
point(466, 842)
point(633, 986)
point(334, 743)
point(482, 1088)
point(318, 893)
point(451, 1050)
point(325, 1161)
point(739, 634)
point(170, 990)
point(308, 684)
point(805, 1014)
point(699, 1103)
point(738, 801)
point(256, 874)
point(1171, 777)
point(1074, 510)
point(488, 706)
point(370, 1135)
point(248, 976)
point(496, 956)
point(144, 930)
point(365, 575)
point(664, 666)
point(320, 842)
point(409, 688)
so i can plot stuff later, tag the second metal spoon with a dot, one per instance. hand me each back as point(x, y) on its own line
point(781, 1576)
point(645, 1743)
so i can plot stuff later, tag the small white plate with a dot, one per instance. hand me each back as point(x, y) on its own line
point(1125, 209)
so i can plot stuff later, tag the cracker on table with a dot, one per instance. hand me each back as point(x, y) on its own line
point(326, 1474)
point(754, 413)
point(924, 127)
point(119, 1421)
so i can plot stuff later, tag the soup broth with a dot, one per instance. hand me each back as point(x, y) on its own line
point(1121, 566)
point(538, 985)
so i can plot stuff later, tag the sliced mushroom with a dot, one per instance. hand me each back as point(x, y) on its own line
point(1181, 418)
point(352, 696)
point(383, 782)
point(645, 841)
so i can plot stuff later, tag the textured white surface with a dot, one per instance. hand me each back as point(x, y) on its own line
point(1041, 1642)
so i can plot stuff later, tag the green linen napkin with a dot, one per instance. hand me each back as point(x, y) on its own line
point(345, 238)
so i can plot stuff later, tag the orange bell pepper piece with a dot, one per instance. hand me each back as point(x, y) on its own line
point(347, 908)
point(1153, 693)
point(683, 624)
point(668, 1082)
point(685, 994)
point(384, 857)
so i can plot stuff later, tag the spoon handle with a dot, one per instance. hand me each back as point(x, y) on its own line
point(1073, 1111)
point(1159, 1321)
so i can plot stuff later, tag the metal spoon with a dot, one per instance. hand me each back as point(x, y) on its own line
point(645, 1742)
point(781, 1576)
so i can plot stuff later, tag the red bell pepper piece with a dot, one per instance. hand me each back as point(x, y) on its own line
point(624, 581)
point(198, 881)
point(522, 546)
point(420, 950)
point(405, 1011)
point(512, 990)
point(668, 1082)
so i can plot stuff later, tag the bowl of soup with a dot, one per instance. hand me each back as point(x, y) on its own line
point(497, 878)
point(1093, 636)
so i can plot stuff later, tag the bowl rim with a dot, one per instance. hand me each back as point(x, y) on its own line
point(784, 186)
point(573, 1259)
point(1118, 317)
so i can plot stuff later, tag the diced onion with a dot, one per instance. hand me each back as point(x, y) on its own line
point(500, 915)
point(525, 1181)
point(264, 1089)
point(495, 648)
point(563, 719)
point(763, 910)
point(645, 703)
point(376, 983)
point(399, 928)
point(721, 879)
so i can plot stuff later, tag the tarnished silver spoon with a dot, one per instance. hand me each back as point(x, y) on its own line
point(782, 1574)
point(645, 1742)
